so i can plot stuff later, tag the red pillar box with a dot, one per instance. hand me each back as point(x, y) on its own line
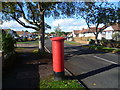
point(58, 57)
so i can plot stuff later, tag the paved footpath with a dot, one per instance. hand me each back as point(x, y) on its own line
point(28, 70)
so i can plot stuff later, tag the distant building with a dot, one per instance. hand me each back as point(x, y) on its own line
point(86, 33)
point(23, 33)
point(106, 33)
point(109, 31)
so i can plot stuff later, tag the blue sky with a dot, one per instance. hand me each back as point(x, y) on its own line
point(67, 24)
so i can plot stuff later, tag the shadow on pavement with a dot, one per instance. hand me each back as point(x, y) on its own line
point(25, 72)
point(79, 50)
point(94, 72)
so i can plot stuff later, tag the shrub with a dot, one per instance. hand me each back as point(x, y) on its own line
point(113, 43)
point(116, 51)
point(116, 36)
point(104, 42)
point(24, 39)
point(109, 44)
point(0, 40)
point(99, 48)
point(92, 47)
point(8, 43)
point(92, 42)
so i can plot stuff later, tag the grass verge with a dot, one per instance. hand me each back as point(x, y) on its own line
point(28, 42)
point(102, 48)
point(51, 83)
point(72, 43)
point(42, 54)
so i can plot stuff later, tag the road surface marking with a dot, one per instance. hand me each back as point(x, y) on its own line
point(105, 60)
point(47, 50)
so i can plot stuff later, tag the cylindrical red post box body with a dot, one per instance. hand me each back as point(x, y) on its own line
point(58, 57)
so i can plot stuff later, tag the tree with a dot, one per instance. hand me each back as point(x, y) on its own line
point(116, 36)
point(26, 30)
point(34, 12)
point(99, 13)
point(52, 33)
point(58, 31)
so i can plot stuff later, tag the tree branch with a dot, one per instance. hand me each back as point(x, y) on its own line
point(23, 14)
point(89, 27)
point(96, 29)
point(41, 8)
point(32, 12)
point(23, 24)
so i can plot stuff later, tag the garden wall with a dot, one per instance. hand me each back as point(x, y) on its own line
point(83, 40)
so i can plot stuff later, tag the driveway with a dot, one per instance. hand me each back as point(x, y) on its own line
point(94, 68)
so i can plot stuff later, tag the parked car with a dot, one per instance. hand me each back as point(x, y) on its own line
point(16, 38)
point(31, 38)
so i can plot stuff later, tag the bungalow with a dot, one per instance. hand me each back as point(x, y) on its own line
point(69, 36)
point(23, 33)
point(109, 31)
point(76, 33)
point(87, 33)
point(106, 33)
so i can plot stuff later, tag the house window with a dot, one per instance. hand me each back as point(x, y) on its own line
point(77, 35)
point(109, 31)
point(103, 32)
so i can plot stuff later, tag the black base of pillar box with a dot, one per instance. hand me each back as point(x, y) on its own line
point(59, 75)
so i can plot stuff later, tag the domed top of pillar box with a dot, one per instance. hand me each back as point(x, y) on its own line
point(57, 38)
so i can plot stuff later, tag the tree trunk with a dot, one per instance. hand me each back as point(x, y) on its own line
point(40, 44)
point(42, 35)
point(96, 38)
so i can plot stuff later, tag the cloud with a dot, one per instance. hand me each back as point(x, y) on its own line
point(10, 24)
point(62, 22)
point(15, 25)
point(68, 22)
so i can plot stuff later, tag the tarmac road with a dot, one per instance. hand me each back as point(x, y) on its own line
point(94, 68)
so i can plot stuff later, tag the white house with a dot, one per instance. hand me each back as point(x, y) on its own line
point(106, 33)
point(69, 36)
point(109, 31)
point(86, 33)
point(76, 33)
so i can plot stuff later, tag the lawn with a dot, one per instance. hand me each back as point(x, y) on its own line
point(28, 42)
point(72, 43)
point(102, 48)
point(50, 83)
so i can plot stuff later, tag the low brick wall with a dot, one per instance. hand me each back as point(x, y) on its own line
point(83, 40)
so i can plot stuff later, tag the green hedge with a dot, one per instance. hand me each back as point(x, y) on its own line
point(110, 43)
point(8, 43)
point(0, 40)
